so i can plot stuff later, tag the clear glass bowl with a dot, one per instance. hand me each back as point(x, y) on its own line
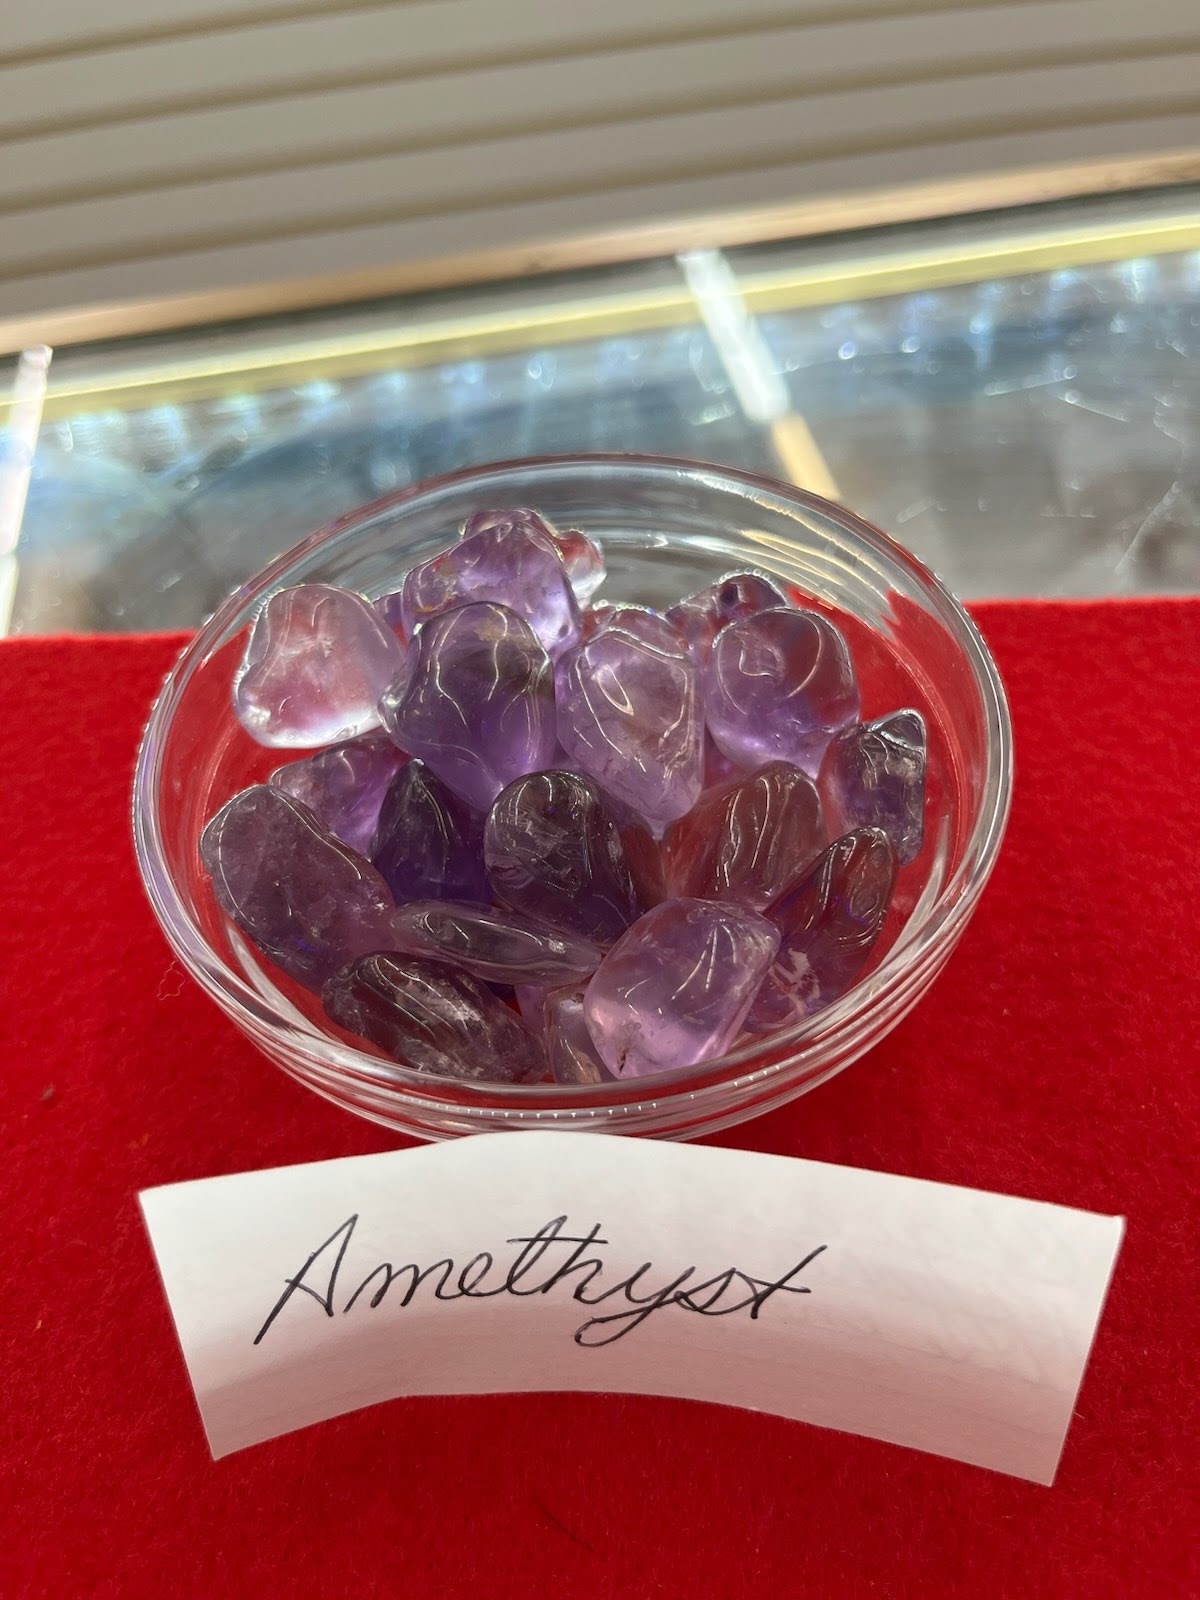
point(667, 528)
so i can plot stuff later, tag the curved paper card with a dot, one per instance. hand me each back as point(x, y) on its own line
point(946, 1319)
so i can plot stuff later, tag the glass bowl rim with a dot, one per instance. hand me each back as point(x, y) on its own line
point(941, 921)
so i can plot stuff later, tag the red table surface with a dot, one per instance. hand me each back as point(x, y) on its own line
point(1055, 1058)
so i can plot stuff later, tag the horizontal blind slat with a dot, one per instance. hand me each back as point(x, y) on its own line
point(378, 245)
point(274, 135)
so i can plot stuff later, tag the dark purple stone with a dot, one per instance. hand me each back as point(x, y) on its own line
point(476, 701)
point(305, 899)
point(873, 776)
point(554, 853)
point(830, 923)
point(344, 786)
point(702, 615)
point(429, 1016)
point(496, 945)
point(780, 684)
point(428, 843)
point(748, 840)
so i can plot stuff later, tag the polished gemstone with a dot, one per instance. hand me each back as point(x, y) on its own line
point(701, 616)
point(509, 562)
point(629, 714)
point(830, 922)
point(780, 684)
point(317, 661)
point(429, 1016)
point(306, 900)
point(748, 840)
point(496, 945)
point(344, 785)
point(873, 776)
point(554, 853)
point(581, 556)
point(674, 990)
point(476, 701)
point(572, 1055)
point(429, 844)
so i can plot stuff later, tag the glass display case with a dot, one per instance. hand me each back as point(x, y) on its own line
point(1015, 396)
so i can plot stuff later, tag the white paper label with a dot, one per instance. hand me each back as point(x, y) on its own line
point(946, 1319)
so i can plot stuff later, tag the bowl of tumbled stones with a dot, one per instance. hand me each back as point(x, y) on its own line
point(610, 793)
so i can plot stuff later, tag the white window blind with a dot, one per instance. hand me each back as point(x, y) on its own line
point(155, 148)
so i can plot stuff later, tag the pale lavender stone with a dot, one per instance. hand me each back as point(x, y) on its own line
point(305, 899)
point(476, 701)
point(495, 945)
point(510, 563)
point(581, 556)
point(779, 685)
point(428, 843)
point(344, 786)
point(748, 840)
point(701, 616)
point(427, 1016)
point(674, 990)
point(873, 776)
point(830, 923)
point(629, 714)
point(571, 1052)
point(554, 853)
point(316, 663)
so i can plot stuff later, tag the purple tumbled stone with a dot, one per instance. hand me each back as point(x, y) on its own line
point(344, 786)
point(475, 702)
point(701, 616)
point(554, 853)
point(674, 990)
point(629, 714)
point(426, 1015)
point(508, 562)
point(495, 945)
point(317, 661)
point(873, 776)
point(748, 840)
point(428, 843)
point(830, 922)
point(779, 685)
point(572, 1055)
point(305, 899)
point(581, 556)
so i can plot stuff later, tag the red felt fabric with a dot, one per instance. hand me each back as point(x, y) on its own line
point(1056, 1057)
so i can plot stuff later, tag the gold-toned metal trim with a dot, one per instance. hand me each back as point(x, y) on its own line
point(800, 219)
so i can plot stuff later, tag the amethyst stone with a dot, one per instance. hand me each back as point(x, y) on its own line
point(508, 562)
point(317, 661)
point(583, 559)
point(495, 945)
point(830, 923)
point(676, 987)
point(429, 843)
point(748, 840)
point(476, 701)
point(572, 1055)
point(306, 900)
point(873, 776)
point(780, 684)
point(629, 714)
point(344, 786)
point(702, 615)
point(428, 1016)
point(554, 852)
